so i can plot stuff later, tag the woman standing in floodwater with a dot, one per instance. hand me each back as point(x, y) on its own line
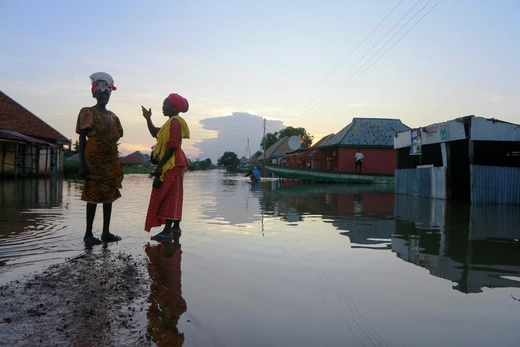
point(99, 163)
point(166, 199)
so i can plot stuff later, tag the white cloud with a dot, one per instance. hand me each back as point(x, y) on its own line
point(233, 133)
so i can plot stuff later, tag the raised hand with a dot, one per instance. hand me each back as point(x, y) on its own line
point(146, 113)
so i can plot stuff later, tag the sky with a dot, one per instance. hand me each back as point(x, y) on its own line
point(311, 64)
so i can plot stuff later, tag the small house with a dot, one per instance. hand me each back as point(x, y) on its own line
point(28, 145)
point(276, 153)
point(132, 160)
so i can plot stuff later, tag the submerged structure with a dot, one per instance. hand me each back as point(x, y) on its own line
point(469, 158)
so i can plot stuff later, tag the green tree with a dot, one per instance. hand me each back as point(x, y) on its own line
point(196, 164)
point(305, 138)
point(73, 149)
point(271, 138)
point(229, 160)
point(206, 164)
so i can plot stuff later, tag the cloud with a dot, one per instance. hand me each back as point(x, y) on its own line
point(233, 134)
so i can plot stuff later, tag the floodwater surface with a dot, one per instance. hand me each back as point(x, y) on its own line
point(283, 264)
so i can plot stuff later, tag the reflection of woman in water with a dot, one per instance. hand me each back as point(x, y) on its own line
point(166, 302)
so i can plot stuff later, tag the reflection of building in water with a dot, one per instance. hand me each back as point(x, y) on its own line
point(473, 245)
point(328, 200)
point(358, 206)
point(366, 225)
point(373, 233)
point(17, 196)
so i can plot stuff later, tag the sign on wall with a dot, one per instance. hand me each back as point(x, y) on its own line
point(415, 142)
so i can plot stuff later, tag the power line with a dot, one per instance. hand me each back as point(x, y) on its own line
point(330, 73)
point(321, 103)
point(352, 67)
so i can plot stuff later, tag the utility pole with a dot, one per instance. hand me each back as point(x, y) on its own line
point(248, 150)
point(264, 139)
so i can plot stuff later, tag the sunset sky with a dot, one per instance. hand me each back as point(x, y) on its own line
point(312, 64)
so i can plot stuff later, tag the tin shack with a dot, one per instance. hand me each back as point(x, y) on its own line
point(469, 158)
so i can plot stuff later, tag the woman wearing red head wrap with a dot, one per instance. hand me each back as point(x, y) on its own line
point(166, 199)
point(99, 163)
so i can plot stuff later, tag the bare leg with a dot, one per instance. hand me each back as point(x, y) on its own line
point(176, 227)
point(107, 215)
point(167, 231)
point(89, 236)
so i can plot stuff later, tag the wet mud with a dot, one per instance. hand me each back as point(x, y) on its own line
point(90, 300)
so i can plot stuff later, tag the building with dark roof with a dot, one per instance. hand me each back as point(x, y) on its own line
point(132, 159)
point(277, 152)
point(28, 145)
point(308, 157)
point(335, 152)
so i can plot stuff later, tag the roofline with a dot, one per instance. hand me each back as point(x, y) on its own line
point(355, 146)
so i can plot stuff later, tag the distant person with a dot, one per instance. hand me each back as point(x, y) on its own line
point(166, 199)
point(99, 131)
point(254, 174)
point(359, 160)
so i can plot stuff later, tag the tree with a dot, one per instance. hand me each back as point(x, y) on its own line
point(196, 164)
point(73, 149)
point(271, 138)
point(306, 139)
point(229, 160)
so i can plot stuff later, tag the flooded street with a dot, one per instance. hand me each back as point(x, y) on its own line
point(274, 264)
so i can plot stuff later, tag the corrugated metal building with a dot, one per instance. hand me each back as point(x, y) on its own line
point(469, 158)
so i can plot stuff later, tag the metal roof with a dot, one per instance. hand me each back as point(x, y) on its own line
point(367, 132)
point(15, 117)
point(13, 135)
point(278, 149)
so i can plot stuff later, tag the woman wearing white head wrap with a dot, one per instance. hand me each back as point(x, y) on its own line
point(99, 131)
point(102, 81)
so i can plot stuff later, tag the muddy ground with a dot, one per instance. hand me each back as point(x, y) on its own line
point(90, 300)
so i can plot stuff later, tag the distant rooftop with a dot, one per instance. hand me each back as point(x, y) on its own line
point(367, 132)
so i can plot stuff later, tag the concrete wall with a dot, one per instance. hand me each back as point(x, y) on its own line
point(377, 160)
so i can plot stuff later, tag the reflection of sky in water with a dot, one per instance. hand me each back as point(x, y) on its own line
point(349, 265)
point(237, 203)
